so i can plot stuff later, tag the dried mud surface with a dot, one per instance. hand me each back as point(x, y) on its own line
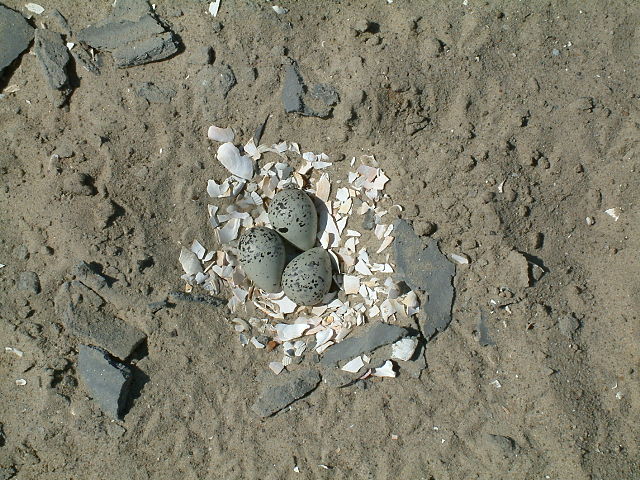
point(483, 131)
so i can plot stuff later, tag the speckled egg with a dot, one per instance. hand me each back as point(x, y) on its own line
point(293, 215)
point(263, 256)
point(307, 278)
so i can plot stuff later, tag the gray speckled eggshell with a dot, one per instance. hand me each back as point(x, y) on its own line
point(262, 256)
point(293, 215)
point(307, 278)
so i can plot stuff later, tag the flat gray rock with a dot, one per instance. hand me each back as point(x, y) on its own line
point(293, 90)
point(284, 390)
point(155, 93)
point(113, 33)
point(29, 282)
point(216, 79)
point(149, 50)
point(107, 380)
point(114, 335)
point(376, 336)
point(53, 57)
point(424, 268)
point(15, 36)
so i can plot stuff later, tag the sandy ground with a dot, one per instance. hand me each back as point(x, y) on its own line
point(505, 124)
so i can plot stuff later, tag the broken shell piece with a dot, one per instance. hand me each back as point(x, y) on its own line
point(21, 382)
point(323, 337)
point(289, 332)
point(256, 343)
point(240, 325)
point(351, 284)
point(276, 367)
point(229, 232)
point(404, 349)
point(189, 261)
point(614, 213)
point(354, 365)
point(385, 370)
point(460, 259)
point(13, 350)
point(198, 249)
point(240, 166)
point(220, 134)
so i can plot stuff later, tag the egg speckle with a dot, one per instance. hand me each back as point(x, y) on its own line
point(262, 255)
point(293, 215)
point(307, 278)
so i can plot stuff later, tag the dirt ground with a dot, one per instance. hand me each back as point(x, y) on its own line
point(509, 125)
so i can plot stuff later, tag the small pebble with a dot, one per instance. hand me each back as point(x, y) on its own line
point(29, 282)
point(555, 52)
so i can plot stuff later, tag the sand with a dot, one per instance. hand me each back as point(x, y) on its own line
point(510, 126)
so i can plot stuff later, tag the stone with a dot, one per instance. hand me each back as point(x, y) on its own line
point(88, 276)
point(293, 90)
point(424, 268)
point(132, 34)
point(29, 282)
point(201, 56)
point(154, 93)
point(217, 80)
point(84, 58)
point(284, 390)
point(146, 51)
point(107, 380)
point(15, 36)
point(376, 336)
point(514, 271)
point(53, 57)
point(325, 93)
point(106, 331)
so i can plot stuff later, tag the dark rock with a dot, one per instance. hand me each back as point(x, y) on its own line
point(61, 21)
point(113, 33)
point(424, 268)
point(132, 34)
point(217, 80)
point(88, 276)
point(53, 56)
point(376, 336)
point(29, 282)
point(145, 51)
point(15, 36)
point(325, 93)
point(107, 380)
point(84, 58)
point(285, 390)
point(484, 338)
point(293, 90)
point(369, 220)
point(154, 93)
point(114, 335)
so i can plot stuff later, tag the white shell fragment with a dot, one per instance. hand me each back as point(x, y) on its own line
point(307, 278)
point(13, 350)
point(460, 259)
point(276, 367)
point(34, 8)
point(293, 215)
point(214, 7)
point(189, 261)
point(219, 134)
point(385, 370)
point(21, 382)
point(263, 256)
point(279, 10)
point(613, 213)
point(240, 166)
point(353, 366)
point(287, 332)
point(404, 349)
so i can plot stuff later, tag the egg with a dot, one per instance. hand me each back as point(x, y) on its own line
point(263, 256)
point(307, 278)
point(293, 215)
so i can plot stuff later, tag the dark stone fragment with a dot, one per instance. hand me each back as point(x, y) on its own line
point(284, 390)
point(325, 93)
point(53, 57)
point(145, 51)
point(15, 36)
point(483, 332)
point(369, 220)
point(114, 33)
point(114, 335)
point(293, 90)
point(29, 282)
point(107, 380)
point(376, 336)
point(84, 58)
point(155, 93)
point(425, 268)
